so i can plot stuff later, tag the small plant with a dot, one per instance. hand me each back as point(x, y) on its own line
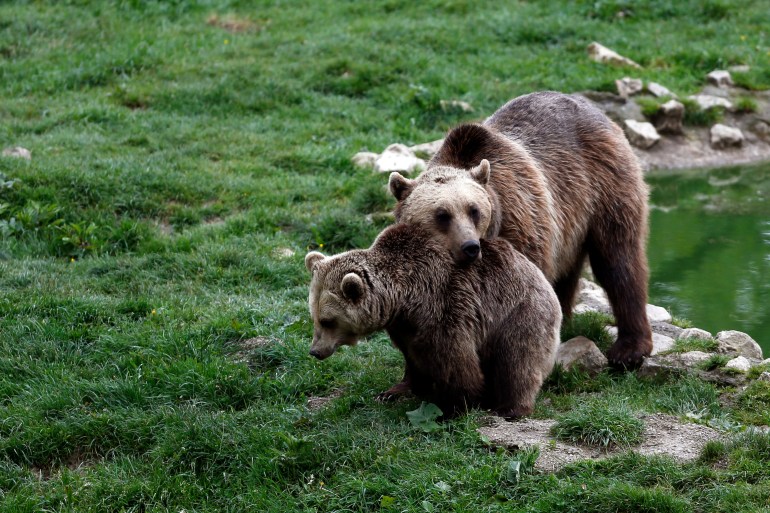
point(715, 361)
point(649, 106)
point(602, 425)
point(746, 105)
point(590, 325)
point(712, 452)
point(682, 323)
point(684, 345)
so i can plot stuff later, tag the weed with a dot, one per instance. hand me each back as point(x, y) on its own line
point(591, 325)
point(694, 115)
point(715, 361)
point(683, 345)
point(599, 424)
point(745, 104)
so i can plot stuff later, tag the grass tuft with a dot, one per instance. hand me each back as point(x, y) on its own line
point(590, 325)
point(598, 424)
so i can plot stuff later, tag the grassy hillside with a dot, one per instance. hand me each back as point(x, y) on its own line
point(178, 146)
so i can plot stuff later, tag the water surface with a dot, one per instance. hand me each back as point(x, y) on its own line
point(709, 248)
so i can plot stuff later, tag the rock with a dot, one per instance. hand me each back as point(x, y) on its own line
point(583, 352)
point(738, 342)
point(664, 328)
point(641, 134)
point(762, 129)
point(720, 78)
point(629, 86)
point(765, 376)
point(766, 361)
point(740, 68)
point(593, 297)
point(456, 104)
point(428, 149)
point(600, 53)
point(612, 331)
point(663, 365)
point(669, 117)
point(661, 343)
point(658, 314)
point(740, 363)
point(695, 333)
point(708, 101)
point(364, 159)
point(659, 91)
point(17, 152)
point(398, 157)
point(616, 108)
point(723, 136)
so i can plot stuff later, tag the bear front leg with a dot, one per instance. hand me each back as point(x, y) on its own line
point(400, 389)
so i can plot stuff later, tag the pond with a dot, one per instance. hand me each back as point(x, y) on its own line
point(709, 248)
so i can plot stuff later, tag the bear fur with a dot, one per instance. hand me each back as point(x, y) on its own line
point(478, 334)
point(552, 175)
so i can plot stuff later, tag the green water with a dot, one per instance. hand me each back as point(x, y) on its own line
point(709, 248)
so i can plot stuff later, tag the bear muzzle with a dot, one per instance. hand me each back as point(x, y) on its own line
point(471, 250)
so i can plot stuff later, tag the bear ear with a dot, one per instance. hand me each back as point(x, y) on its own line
point(480, 173)
point(352, 287)
point(313, 258)
point(400, 187)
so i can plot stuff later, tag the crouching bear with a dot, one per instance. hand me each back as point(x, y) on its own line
point(556, 178)
point(480, 334)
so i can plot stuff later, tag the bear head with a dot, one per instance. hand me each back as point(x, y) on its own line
point(341, 301)
point(452, 204)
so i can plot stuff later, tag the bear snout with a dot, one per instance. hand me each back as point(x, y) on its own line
point(471, 249)
point(317, 354)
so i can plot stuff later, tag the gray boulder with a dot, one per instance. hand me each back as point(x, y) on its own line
point(398, 157)
point(641, 133)
point(736, 342)
point(669, 117)
point(582, 352)
point(720, 78)
point(723, 136)
point(695, 333)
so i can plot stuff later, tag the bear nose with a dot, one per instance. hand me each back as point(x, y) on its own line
point(471, 249)
point(316, 353)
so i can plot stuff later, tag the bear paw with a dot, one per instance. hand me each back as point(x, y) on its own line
point(626, 354)
point(397, 391)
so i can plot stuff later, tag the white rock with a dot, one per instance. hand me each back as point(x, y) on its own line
point(628, 86)
point(723, 136)
point(766, 361)
point(456, 104)
point(428, 149)
point(283, 252)
point(583, 308)
point(740, 363)
point(708, 101)
point(364, 159)
point(661, 343)
point(720, 78)
point(765, 376)
point(667, 329)
point(612, 331)
point(669, 117)
point(658, 90)
point(691, 358)
point(641, 134)
point(695, 333)
point(594, 298)
point(581, 351)
point(740, 68)
point(398, 157)
point(17, 152)
point(658, 314)
point(600, 53)
point(738, 342)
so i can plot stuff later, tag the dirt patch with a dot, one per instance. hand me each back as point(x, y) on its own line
point(76, 462)
point(663, 435)
point(315, 403)
point(233, 24)
point(248, 346)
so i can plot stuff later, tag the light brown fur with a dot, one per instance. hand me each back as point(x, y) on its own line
point(564, 184)
point(483, 333)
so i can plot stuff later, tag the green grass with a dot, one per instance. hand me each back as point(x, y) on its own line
point(172, 159)
point(600, 424)
point(590, 325)
point(684, 345)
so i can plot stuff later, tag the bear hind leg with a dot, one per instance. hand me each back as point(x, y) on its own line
point(567, 285)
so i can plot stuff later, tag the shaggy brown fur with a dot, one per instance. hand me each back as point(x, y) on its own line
point(564, 184)
point(483, 333)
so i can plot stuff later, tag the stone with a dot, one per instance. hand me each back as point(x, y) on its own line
point(669, 117)
point(739, 343)
point(364, 159)
point(593, 297)
point(665, 364)
point(740, 363)
point(766, 361)
point(616, 108)
point(695, 333)
point(667, 329)
point(708, 101)
point(641, 134)
point(283, 252)
point(583, 352)
point(604, 55)
point(658, 314)
point(18, 152)
point(661, 343)
point(740, 68)
point(628, 86)
point(762, 129)
point(720, 78)
point(456, 104)
point(428, 149)
point(765, 376)
point(659, 91)
point(723, 136)
point(612, 331)
point(398, 157)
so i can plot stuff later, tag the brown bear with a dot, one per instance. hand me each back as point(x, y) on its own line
point(482, 333)
point(551, 174)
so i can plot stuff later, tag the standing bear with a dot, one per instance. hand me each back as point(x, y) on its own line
point(483, 333)
point(554, 176)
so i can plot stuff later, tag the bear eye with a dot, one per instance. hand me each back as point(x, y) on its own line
point(473, 211)
point(328, 324)
point(443, 217)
